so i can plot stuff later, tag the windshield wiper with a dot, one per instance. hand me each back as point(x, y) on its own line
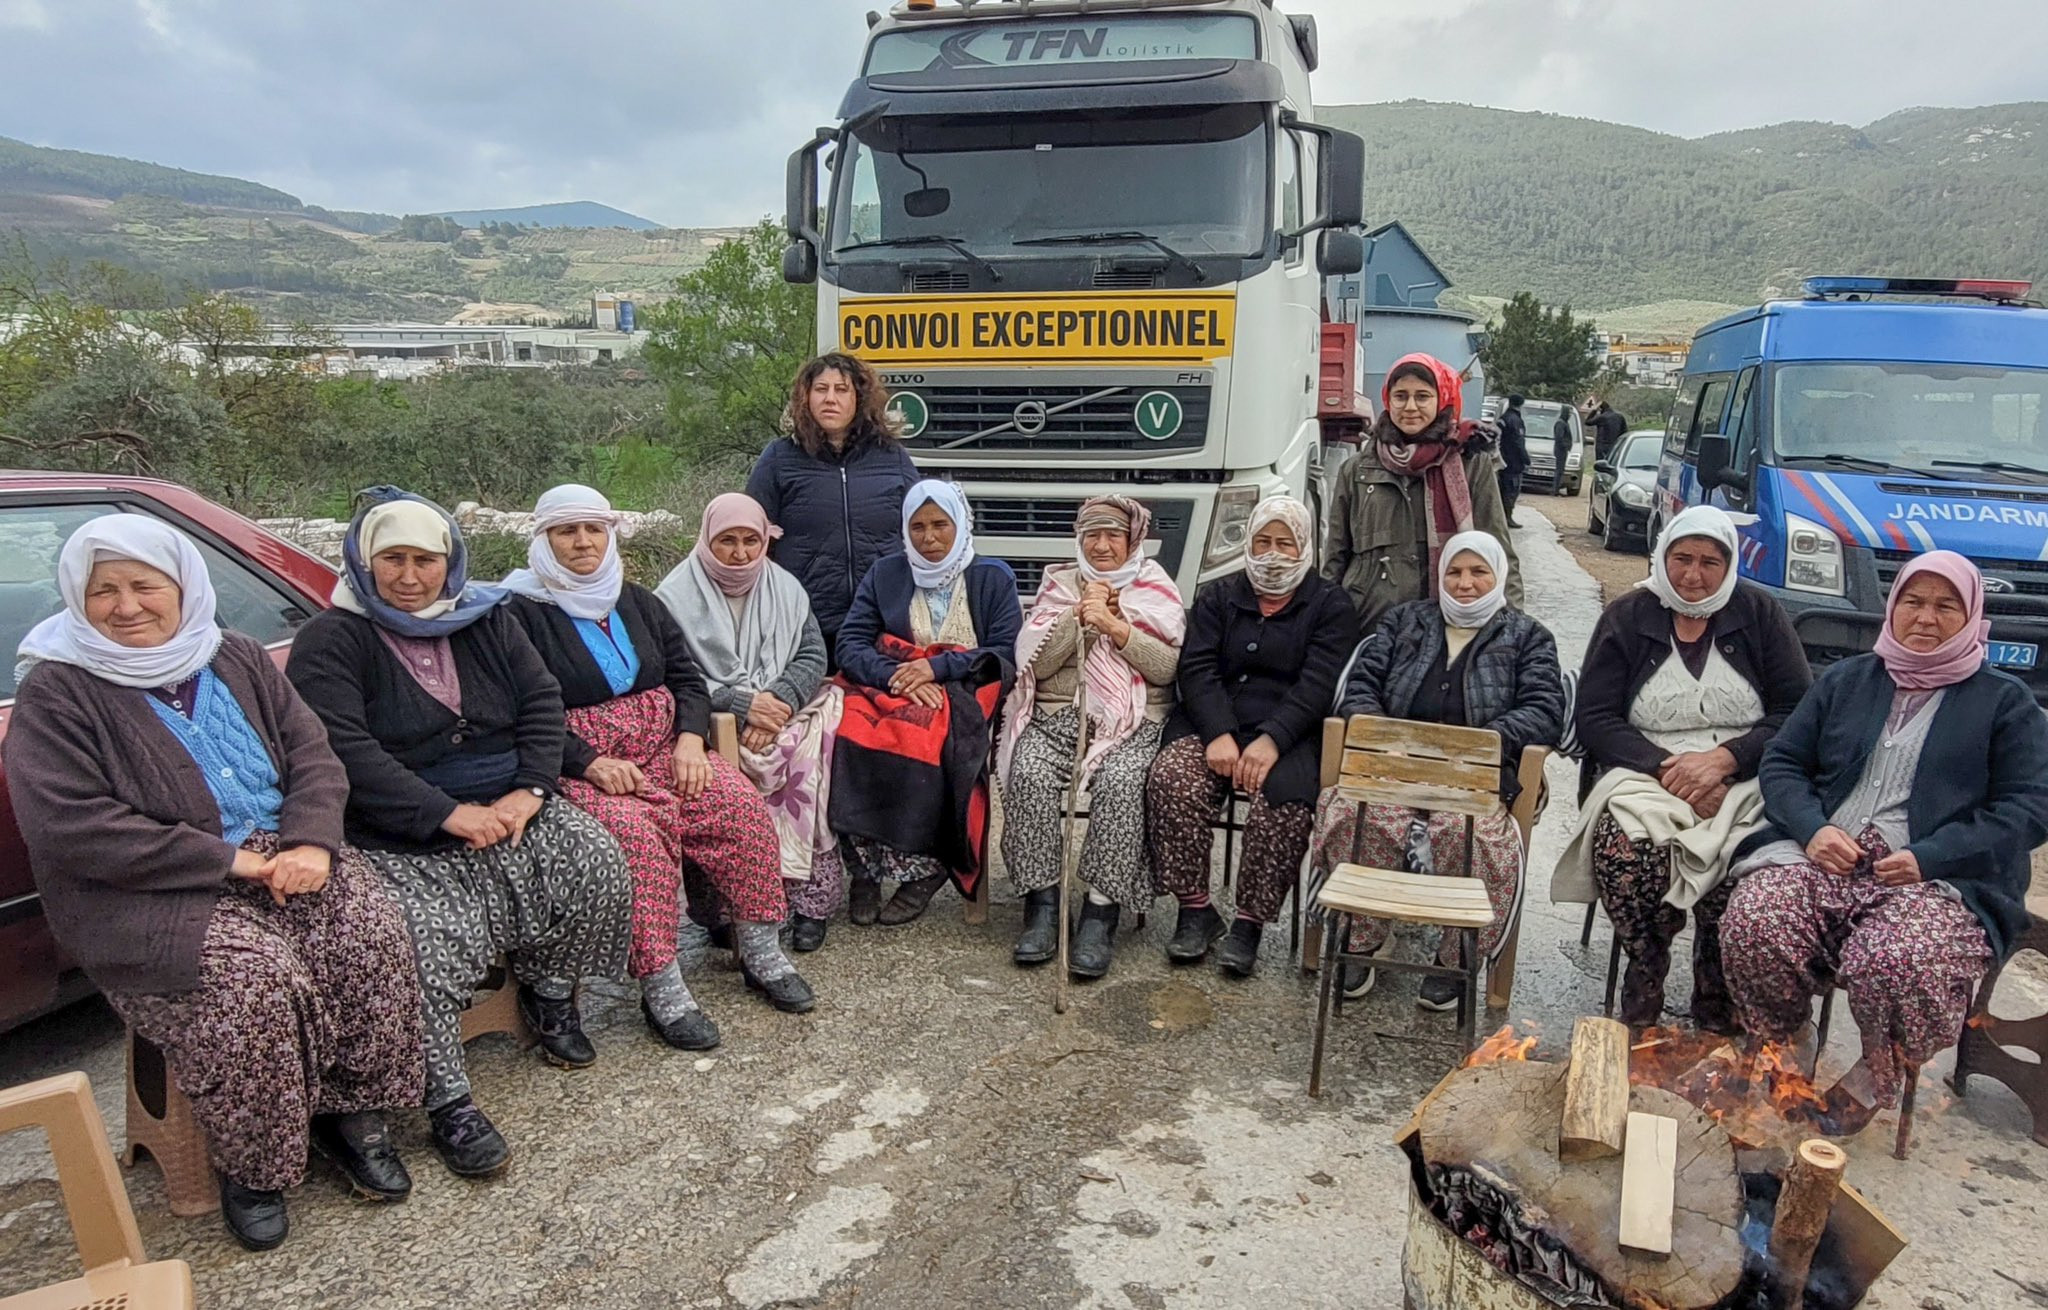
point(1115, 238)
point(929, 239)
point(1995, 465)
point(1871, 465)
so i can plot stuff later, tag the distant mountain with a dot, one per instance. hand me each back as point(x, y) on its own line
point(41, 170)
point(573, 213)
point(1601, 215)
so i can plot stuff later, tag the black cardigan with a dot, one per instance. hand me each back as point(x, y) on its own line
point(1633, 638)
point(385, 727)
point(665, 661)
point(1244, 675)
point(1980, 792)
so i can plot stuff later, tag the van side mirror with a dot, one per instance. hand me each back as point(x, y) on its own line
point(1712, 456)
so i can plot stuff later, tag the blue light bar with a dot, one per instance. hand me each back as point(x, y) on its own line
point(2004, 292)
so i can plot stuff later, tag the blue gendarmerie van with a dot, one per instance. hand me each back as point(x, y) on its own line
point(1869, 421)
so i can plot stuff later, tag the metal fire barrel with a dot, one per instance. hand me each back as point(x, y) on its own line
point(1441, 1271)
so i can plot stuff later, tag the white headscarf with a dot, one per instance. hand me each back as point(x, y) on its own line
point(1697, 521)
point(546, 578)
point(947, 496)
point(1276, 574)
point(1473, 613)
point(67, 638)
point(410, 523)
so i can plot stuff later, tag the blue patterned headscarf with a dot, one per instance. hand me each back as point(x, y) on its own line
point(391, 517)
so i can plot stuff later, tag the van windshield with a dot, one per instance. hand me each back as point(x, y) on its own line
point(1938, 418)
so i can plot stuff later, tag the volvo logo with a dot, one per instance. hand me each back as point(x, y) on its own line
point(1030, 417)
point(1998, 586)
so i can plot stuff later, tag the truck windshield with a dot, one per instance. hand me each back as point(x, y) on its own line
point(1195, 179)
point(1936, 418)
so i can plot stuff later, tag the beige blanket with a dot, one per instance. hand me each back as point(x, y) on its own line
point(1646, 812)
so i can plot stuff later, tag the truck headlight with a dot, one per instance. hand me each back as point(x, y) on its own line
point(1633, 495)
point(1228, 529)
point(1813, 557)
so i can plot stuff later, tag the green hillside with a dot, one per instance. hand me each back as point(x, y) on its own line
point(39, 170)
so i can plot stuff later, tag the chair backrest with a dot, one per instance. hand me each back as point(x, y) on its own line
point(1426, 766)
point(102, 1222)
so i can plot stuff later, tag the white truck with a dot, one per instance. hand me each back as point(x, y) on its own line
point(1085, 242)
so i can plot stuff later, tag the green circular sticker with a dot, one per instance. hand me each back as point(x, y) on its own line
point(1159, 415)
point(910, 413)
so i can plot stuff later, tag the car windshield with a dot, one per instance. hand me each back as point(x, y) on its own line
point(1933, 417)
point(1643, 452)
point(1194, 179)
point(1541, 416)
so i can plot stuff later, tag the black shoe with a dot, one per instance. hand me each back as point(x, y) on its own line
point(559, 1027)
point(1239, 953)
point(911, 898)
point(690, 1031)
point(1357, 981)
point(789, 993)
point(1196, 930)
point(721, 937)
point(469, 1143)
point(1440, 992)
point(1040, 940)
point(256, 1219)
point(359, 1145)
point(805, 933)
point(1513, 523)
point(864, 901)
point(1094, 945)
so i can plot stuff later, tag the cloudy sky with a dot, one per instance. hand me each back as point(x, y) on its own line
point(683, 110)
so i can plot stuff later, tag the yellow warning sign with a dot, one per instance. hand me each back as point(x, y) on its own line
point(1027, 329)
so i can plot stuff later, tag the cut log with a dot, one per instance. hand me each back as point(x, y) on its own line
point(1803, 1207)
point(1595, 1122)
point(1501, 1121)
point(1649, 1180)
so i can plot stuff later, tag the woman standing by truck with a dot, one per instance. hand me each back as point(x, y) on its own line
point(835, 485)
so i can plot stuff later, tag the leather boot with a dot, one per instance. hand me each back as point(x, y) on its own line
point(469, 1143)
point(1094, 944)
point(559, 1028)
point(1040, 940)
point(1239, 953)
point(910, 899)
point(255, 1218)
point(359, 1145)
point(1196, 931)
point(805, 933)
point(864, 901)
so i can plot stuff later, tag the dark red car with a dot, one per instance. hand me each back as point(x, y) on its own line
point(267, 588)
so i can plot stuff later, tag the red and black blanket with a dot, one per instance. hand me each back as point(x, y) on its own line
point(915, 777)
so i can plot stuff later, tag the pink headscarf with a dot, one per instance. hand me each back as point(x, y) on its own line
point(1959, 656)
point(733, 510)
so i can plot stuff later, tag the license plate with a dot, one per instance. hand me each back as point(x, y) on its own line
point(2014, 654)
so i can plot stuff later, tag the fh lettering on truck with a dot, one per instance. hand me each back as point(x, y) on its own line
point(1195, 329)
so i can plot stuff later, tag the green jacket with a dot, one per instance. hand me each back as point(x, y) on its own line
point(1378, 543)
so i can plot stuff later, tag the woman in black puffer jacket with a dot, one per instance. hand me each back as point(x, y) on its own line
point(1469, 660)
point(835, 485)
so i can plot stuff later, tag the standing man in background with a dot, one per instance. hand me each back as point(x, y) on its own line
point(1560, 447)
point(1608, 428)
point(1514, 455)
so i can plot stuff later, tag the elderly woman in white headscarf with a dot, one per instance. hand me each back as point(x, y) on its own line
point(635, 758)
point(450, 727)
point(930, 633)
point(1469, 660)
point(1112, 621)
point(1686, 680)
point(183, 817)
point(749, 625)
point(1257, 674)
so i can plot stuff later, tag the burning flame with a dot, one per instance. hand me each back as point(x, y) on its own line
point(1766, 1100)
point(1503, 1045)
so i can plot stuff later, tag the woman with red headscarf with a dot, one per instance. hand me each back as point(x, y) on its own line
point(1905, 795)
point(1422, 477)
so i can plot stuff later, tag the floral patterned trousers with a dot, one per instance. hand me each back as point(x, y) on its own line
point(1181, 800)
point(310, 1007)
point(1909, 957)
point(1633, 877)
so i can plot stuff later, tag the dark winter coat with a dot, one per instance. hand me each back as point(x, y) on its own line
point(1510, 680)
point(1980, 794)
point(1633, 639)
point(387, 730)
point(1514, 443)
point(839, 513)
point(665, 661)
point(883, 605)
point(1245, 675)
point(1609, 426)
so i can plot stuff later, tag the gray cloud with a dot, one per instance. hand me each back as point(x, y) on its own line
point(685, 111)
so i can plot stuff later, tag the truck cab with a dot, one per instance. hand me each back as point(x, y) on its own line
point(1083, 241)
point(1869, 421)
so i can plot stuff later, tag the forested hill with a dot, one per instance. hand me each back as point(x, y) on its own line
point(1603, 215)
point(41, 170)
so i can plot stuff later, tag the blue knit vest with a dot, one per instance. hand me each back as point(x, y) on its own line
point(237, 767)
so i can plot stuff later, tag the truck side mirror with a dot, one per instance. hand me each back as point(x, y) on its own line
point(800, 263)
point(1343, 253)
point(1340, 176)
point(800, 218)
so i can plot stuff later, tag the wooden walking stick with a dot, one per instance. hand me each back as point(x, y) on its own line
point(1070, 849)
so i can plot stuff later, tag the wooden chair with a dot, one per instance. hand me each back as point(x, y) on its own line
point(1429, 767)
point(1534, 795)
point(118, 1274)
